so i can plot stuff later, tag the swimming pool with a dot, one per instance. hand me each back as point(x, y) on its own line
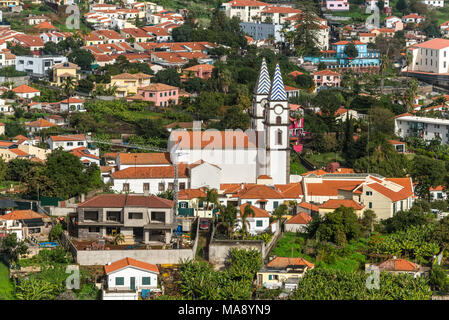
point(48, 244)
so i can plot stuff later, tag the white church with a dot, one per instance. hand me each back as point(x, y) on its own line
point(236, 156)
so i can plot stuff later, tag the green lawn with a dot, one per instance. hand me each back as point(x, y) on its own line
point(297, 168)
point(322, 159)
point(442, 15)
point(6, 286)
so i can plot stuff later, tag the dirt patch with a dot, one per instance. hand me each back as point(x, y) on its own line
point(170, 277)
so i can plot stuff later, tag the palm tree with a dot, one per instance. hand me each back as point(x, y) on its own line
point(119, 238)
point(228, 215)
point(210, 198)
point(69, 87)
point(279, 212)
point(247, 212)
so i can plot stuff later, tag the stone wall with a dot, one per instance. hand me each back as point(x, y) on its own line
point(18, 81)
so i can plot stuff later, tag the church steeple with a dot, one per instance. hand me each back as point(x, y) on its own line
point(260, 99)
point(277, 92)
point(263, 83)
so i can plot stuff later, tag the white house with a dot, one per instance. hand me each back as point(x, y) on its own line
point(260, 223)
point(151, 180)
point(26, 92)
point(412, 18)
point(244, 9)
point(391, 21)
point(438, 193)
point(75, 104)
point(430, 56)
point(67, 142)
point(426, 128)
point(38, 66)
point(298, 223)
point(126, 278)
point(434, 3)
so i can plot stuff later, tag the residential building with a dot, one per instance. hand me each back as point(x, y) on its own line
point(38, 125)
point(438, 193)
point(128, 84)
point(246, 10)
point(85, 155)
point(337, 5)
point(412, 18)
point(131, 160)
point(191, 203)
point(161, 94)
point(259, 223)
point(431, 56)
point(68, 142)
point(64, 70)
point(332, 204)
point(151, 180)
point(38, 66)
point(72, 105)
point(147, 219)
point(401, 266)
point(283, 272)
point(326, 79)
point(398, 145)
point(26, 92)
point(408, 125)
point(298, 223)
point(394, 22)
point(25, 224)
point(126, 278)
point(203, 71)
point(434, 3)
point(367, 37)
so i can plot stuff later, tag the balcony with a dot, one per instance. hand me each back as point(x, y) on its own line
point(186, 212)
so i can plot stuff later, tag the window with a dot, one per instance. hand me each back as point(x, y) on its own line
point(161, 186)
point(259, 223)
point(182, 185)
point(119, 281)
point(170, 186)
point(279, 137)
point(146, 281)
point(278, 120)
point(370, 205)
point(135, 215)
point(69, 144)
point(249, 202)
point(183, 205)
point(146, 187)
point(126, 187)
point(94, 229)
point(275, 204)
point(369, 193)
point(80, 143)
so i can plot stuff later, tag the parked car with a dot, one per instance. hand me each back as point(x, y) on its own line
point(204, 224)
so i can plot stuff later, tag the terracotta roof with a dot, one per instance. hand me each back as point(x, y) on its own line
point(437, 188)
point(19, 153)
point(66, 65)
point(405, 192)
point(44, 25)
point(284, 262)
point(308, 206)
point(151, 172)
point(337, 203)
point(295, 73)
point(72, 100)
point(139, 75)
point(188, 194)
point(259, 191)
point(126, 200)
point(280, 10)
point(129, 262)
point(156, 87)
point(204, 67)
point(291, 190)
point(40, 123)
point(247, 3)
point(326, 72)
point(300, 218)
point(83, 152)
point(331, 187)
point(396, 142)
point(258, 212)
point(436, 44)
point(398, 265)
point(144, 158)
point(24, 89)
point(264, 176)
point(22, 215)
point(69, 137)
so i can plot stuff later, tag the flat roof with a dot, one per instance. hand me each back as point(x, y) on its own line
point(423, 119)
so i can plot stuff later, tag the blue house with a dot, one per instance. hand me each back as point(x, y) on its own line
point(336, 58)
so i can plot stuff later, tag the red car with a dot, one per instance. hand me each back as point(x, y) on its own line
point(204, 224)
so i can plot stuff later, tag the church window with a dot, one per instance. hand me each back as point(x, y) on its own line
point(279, 137)
point(278, 120)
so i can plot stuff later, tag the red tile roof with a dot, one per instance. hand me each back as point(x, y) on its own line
point(258, 212)
point(22, 215)
point(284, 262)
point(151, 172)
point(188, 194)
point(398, 265)
point(308, 206)
point(259, 191)
point(129, 262)
point(144, 158)
point(40, 123)
point(436, 44)
point(300, 218)
point(337, 203)
point(69, 137)
point(24, 89)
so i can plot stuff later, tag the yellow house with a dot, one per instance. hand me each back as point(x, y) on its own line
point(127, 83)
point(64, 70)
point(283, 272)
point(332, 204)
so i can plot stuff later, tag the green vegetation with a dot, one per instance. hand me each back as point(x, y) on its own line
point(6, 285)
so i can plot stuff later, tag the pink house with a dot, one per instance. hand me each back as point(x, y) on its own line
point(296, 127)
point(337, 5)
point(326, 78)
point(161, 94)
point(203, 71)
